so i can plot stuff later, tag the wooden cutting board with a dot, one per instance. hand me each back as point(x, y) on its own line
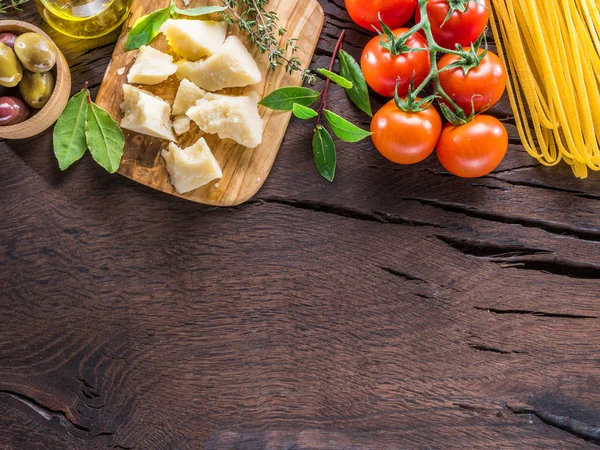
point(244, 170)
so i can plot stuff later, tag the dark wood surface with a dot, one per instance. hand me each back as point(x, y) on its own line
point(396, 308)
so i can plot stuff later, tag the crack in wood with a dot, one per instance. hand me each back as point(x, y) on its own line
point(490, 250)
point(524, 312)
point(491, 187)
point(342, 211)
point(403, 275)
point(63, 417)
point(488, 348)
point(592, 235)
point(45, 412)
point(483, 410)
point(525, 258)
point(534, 184)
point(572, 426)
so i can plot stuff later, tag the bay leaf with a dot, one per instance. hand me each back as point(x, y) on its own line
point(146, 28)
point(284, 99)
point(337, 79)
point(69, 132)
point(359, 93)
point(344, 129)
point(324, 153)
point(304, 112)
point(104, 138)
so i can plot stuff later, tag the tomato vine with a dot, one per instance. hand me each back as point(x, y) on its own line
point(467, 59)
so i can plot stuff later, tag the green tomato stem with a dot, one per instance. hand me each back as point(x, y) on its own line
point(433, 48)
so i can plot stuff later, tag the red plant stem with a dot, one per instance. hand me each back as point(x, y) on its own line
point(336, 50)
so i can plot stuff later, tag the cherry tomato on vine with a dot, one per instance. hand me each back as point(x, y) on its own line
point(382, 69)
point(462, 28)
point(405, 137)
point(475, 149)
point(394, 13)
point(485, 84)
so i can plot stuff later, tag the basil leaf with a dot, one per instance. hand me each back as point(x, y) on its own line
point(146, 28)
point(337, 79)
point(195, 12)
point(359, 93)
point(304, 112)
point(69, 132)
point(104, 137)
point(283, 99)
point(345, 130)
point(324, 153)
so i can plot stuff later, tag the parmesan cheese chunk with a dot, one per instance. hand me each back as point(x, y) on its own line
point(231, 66)
point(230, 117)
point(151, 67)
point(194, 39)
point(146, 114)
point(187, 96)
point(181, 125)
point(192, 167)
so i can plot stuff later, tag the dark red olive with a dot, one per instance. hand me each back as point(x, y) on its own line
point(12, 111)
point(8, 39)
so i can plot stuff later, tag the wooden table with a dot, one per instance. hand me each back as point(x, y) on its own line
point(396, 308)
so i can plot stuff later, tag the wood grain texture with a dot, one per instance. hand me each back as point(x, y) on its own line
point(395, 308)
point(44, 118)
point(244, 170)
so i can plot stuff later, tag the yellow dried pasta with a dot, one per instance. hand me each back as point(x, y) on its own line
point(552, 51)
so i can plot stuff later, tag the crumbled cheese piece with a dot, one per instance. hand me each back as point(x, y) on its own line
point(146, 114)
point(230, 117)
point(231, 66)
point(187, 96)
point(194, 39)
point(181, 125)
point(151, 67)
point(192, 167)
point(121, 71)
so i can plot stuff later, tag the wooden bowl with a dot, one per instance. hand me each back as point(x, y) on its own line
point(42, 119)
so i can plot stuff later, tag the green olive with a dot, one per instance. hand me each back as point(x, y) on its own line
point(36, 88)
point(35, 52)
point(10, 69)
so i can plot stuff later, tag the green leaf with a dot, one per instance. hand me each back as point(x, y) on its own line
point(283, 99)
point(359, 94)
point(345, 130)
point(337, 79)
point(146, 28)
point(104, 137)
point(195, 12)
point(304, 112)
point(324, 153)
point(69, 131)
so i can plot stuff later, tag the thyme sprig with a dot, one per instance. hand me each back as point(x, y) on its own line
point(12, 4)
point(265, 32)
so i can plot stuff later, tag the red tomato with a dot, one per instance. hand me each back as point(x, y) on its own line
point(382, 69)
point(485, 84)
point(462, 28)
point(475, 149)
point(394, 13)
point(405, 137)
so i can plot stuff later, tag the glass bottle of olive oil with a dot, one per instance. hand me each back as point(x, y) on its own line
point(84, 18)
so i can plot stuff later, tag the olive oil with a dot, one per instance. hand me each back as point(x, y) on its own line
point(84, 18)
